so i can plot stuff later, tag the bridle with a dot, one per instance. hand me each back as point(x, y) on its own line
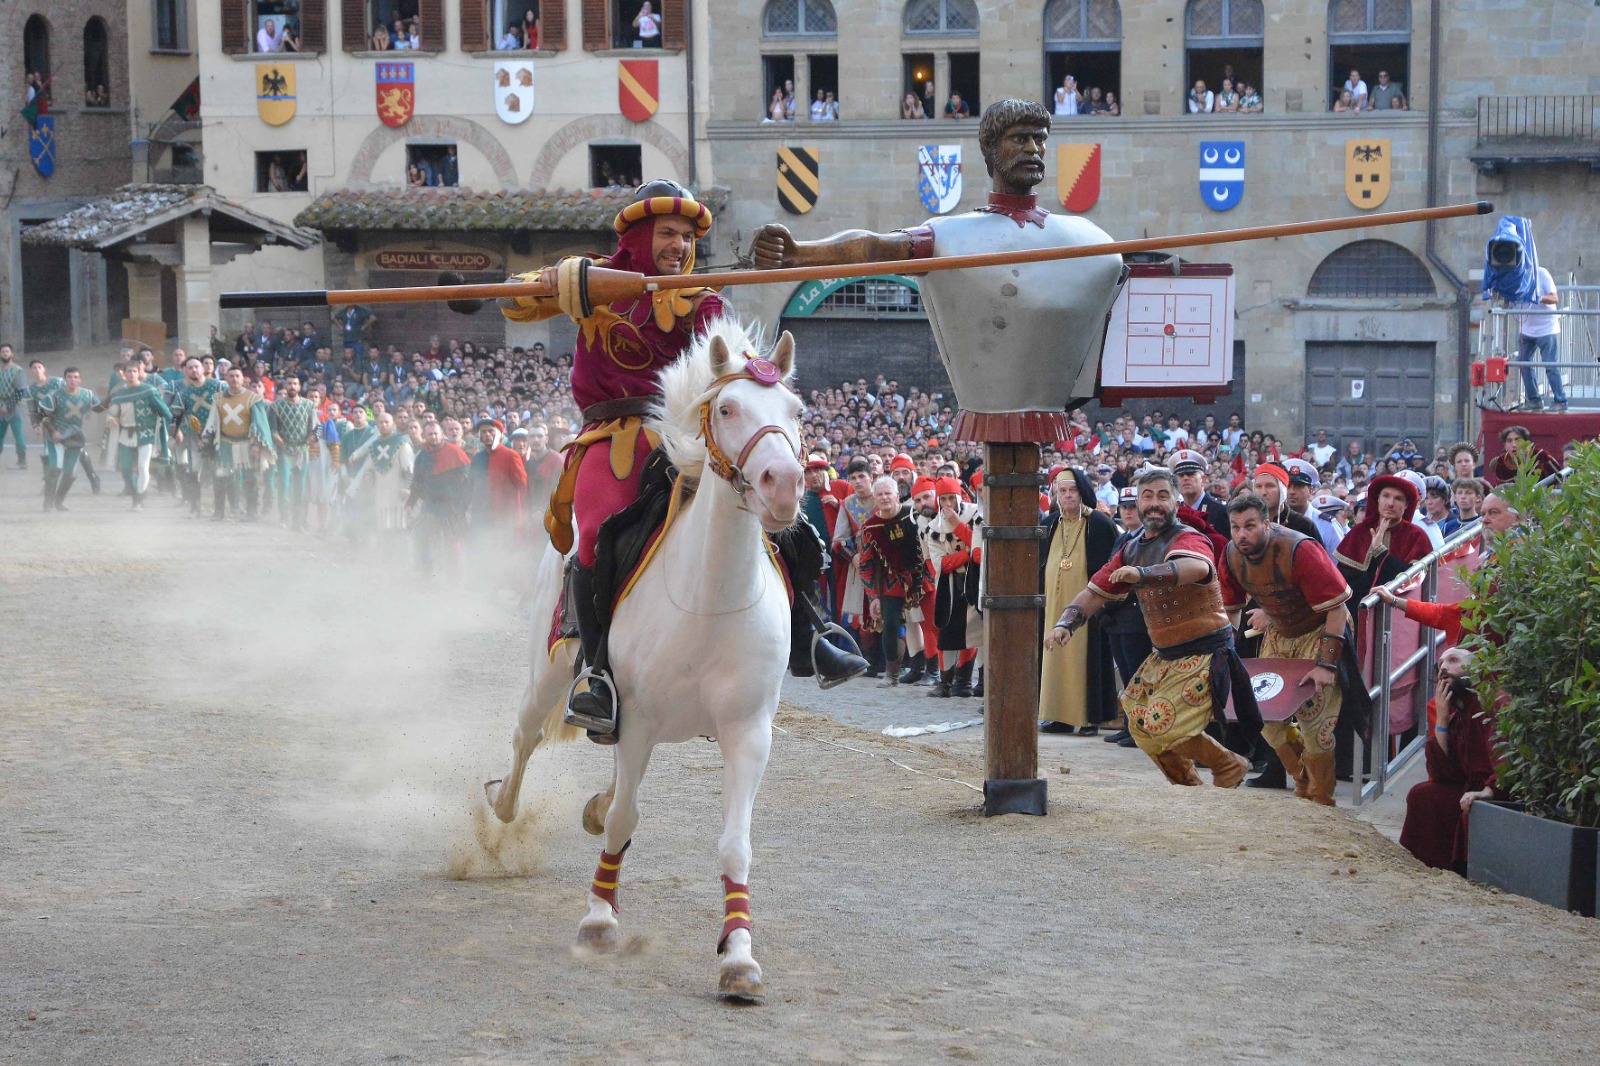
point(763, 372)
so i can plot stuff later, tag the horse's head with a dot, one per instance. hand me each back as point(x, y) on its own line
point(751, 425)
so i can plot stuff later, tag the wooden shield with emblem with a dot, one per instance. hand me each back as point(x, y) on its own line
point(1078, 176)
point(1366, 172)
point(1278, 688)
point(798, 179)
point(638, 88)
point(275, 92)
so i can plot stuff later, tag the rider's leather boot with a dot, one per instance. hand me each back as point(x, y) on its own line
point(593, 705)
point(914, 670)
point(801, 550)
point(62, 488)
point(962, 687)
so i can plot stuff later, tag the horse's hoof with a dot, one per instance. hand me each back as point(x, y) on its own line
point(594, 813)
point(599, 938)
point(741, 980)
point(493, 794)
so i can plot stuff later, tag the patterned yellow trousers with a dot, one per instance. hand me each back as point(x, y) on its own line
point(1168, 701)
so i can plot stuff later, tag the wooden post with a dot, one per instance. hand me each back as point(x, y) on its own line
point(1011, 631)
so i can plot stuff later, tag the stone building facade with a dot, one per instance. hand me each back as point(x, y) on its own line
point(571, 132)
point(54, 298)
point(1365, 331)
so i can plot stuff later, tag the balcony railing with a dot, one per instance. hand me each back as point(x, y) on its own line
point(1537, 118)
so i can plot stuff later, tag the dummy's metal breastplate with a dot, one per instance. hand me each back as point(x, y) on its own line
point(1175, 614)
point(1025, 337)
point(1270, 583)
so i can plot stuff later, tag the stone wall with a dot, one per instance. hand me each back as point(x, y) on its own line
point(1294, 160)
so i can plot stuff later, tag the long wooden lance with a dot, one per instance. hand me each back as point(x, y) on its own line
point(605, 286)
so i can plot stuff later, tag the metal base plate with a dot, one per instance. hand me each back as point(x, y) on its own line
point(1026, 796)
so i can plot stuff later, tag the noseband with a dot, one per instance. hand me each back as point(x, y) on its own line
point(762, 372)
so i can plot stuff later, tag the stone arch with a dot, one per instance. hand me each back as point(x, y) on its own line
point(595, 127)
point(444, 127)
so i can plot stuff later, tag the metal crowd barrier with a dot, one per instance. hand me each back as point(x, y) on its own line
point(1378, 760)
point(1577, 350)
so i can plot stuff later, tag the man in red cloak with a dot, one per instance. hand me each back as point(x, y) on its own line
point(621, 350)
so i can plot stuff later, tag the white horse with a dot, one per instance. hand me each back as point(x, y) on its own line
point(701, 642)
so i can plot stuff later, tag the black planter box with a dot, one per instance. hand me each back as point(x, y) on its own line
point(1521, 853)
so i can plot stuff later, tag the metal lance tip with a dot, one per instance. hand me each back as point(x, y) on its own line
point(460, 307)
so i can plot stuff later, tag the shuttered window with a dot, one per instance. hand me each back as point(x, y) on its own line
point(235, 27)
point(553, 24)
point(672, 23)
point(474, 26)
point(313, 25)
point(430, 14)
point(596, 25)
point(353, 26)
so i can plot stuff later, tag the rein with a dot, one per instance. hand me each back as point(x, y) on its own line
point(762, 372)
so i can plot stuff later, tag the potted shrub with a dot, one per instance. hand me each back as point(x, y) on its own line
point(1540, 599)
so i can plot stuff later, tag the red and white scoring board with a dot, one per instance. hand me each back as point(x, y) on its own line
point(1170, 334)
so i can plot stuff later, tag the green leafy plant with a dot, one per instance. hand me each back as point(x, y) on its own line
point(1537, 643)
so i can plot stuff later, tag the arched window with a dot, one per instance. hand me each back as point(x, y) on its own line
point(96, 64)
point(1373, 38)
point(1083, 40)
point(1222, 39)
point(1371, 270)
point(36, 46)
point(941, 16)
point(799, 18)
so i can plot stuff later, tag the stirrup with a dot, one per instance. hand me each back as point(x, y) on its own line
point(603, 726)
point(855, 649)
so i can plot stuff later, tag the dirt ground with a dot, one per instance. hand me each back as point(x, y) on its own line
point(240, 822)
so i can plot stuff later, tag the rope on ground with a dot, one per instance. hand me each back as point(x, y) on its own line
point(875, 755)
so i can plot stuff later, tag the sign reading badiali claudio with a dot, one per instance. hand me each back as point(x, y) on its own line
point(513, 90)
point(433, 259)
point(939, 177)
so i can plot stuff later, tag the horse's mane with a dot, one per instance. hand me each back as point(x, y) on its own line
point(685, 384)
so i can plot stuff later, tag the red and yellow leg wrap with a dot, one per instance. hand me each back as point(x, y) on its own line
point(606, 876)
point(736, 905)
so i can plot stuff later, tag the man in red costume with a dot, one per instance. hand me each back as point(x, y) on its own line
point(621, 350)
point(498, 505)
point(439, 490)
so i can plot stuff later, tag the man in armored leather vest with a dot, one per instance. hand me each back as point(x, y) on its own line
point(1302, 615)
point(1183, 683)
point(621, 350)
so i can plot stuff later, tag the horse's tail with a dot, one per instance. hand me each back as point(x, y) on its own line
point(544, 700)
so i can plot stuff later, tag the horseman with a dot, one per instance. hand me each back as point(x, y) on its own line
point(621, 349)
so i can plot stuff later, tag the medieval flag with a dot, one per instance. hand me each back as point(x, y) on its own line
point(42, 145)
point(1222, 174)
point(1366, 172)
point(939, 176)
point(397, 93)
point(187, 105)
point(275, 92)
point(513, 90)
point(798, 183)
point(638, 88)
point(1078, 176)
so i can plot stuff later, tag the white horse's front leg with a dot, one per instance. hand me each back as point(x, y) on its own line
point(598, 930)
point(744, 760)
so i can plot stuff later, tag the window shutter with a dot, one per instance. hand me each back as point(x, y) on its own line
point(431, 13)
point(353, 26)
point(596, 25)
point(672, 23)
point(235, 35)
point(553, 24)
point(474, 36)
point(313, 25)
